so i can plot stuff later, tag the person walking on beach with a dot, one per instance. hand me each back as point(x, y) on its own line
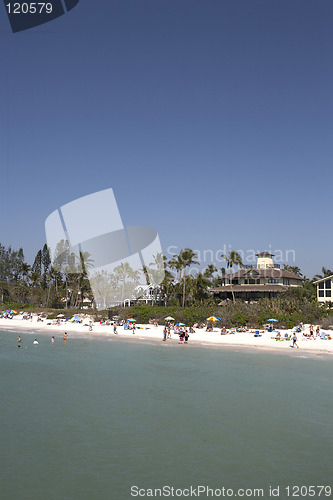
point(186, 336)
point(115, 328)
point(165, 331)
point(295, 341)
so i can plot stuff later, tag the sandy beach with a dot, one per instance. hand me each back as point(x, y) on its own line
point(155, 334)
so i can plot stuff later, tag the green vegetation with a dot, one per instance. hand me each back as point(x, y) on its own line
point(61, 287)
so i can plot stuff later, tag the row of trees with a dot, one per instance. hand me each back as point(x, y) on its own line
point(64, 282)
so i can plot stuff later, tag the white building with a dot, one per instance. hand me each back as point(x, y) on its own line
point(324, 289)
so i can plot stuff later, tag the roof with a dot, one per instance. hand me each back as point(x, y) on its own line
point(251, 288)
point(324, 279)
point(262, 273)
point(265, 254)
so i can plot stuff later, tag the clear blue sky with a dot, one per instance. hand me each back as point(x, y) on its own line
point(212, 120)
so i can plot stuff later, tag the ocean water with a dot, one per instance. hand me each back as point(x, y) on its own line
point(91, 419)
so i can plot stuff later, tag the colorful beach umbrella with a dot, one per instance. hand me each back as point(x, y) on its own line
point(213, 318)
point(131, 319)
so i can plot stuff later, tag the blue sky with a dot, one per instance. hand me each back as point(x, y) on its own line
point(211, 120)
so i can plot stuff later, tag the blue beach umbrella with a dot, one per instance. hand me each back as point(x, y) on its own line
point(180, 324)
point(272, 319)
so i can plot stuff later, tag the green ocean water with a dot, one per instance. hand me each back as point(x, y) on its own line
point(89, 419)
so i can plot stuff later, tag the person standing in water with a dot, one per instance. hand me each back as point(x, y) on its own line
point(52, 340)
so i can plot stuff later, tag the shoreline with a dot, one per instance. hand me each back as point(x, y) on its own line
point(243, 341)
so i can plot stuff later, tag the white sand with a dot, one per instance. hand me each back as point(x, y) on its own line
point(150, 332)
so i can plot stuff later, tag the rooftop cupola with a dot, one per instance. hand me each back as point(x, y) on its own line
point(265, 260)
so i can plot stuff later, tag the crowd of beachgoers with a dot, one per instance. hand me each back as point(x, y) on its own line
point(304, 336)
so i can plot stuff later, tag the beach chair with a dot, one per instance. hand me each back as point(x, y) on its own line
point(258, 334)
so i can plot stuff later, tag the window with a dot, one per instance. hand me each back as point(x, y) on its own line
point(246, 282)
point(328, 293)
point(321, 293)
point(235, 282)
point(273, 280)
point(258, 282)
point(252, 281)
point(321, 285)
point(328, 284)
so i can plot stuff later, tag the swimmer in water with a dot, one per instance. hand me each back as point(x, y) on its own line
point(65, 336)
point(35, 341)
point(52, 340)
point(19, 339)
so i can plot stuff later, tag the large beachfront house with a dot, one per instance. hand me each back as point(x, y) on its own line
point(324, 289)
point(253, 282)
point(146, 294)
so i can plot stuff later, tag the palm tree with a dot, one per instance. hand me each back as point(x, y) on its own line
point(325, 273)
point(293, 269)
point(25, 271)
point(175, 263)
point(84, 264)
point(186, 258)
point(167, 286)
point(209, 271)
point(121, 273)
point(200, 285)
point(232, 259)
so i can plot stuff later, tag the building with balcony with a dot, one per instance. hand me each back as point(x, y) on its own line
point(254, 282)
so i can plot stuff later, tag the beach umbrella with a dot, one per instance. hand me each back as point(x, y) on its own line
point(76, 317)
point(272, 320)
point(180, 324)
point(60, 316)
point(11, 311)
point(213, 318)
point(116, 317)
point(169, 318)
point(131, 319)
